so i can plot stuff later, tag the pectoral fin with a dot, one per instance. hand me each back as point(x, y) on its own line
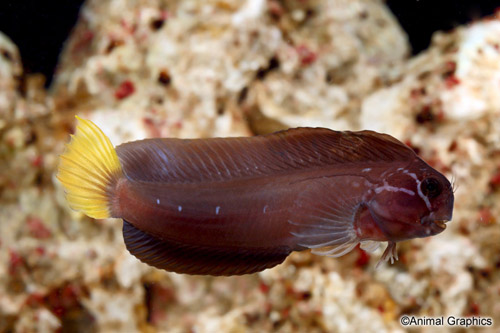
point(323, 218)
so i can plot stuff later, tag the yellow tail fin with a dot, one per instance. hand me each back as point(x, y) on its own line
point(89, 170)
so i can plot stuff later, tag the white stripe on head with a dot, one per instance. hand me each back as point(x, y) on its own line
point(420, 194)
point(387, 187)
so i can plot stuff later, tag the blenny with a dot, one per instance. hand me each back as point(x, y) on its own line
point(231, 206)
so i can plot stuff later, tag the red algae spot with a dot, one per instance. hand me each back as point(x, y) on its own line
point(128, 27)
point(36, 228)
point(158, 298)
point(473, 309)
point(453, 146)
point(285, 313)
point(450, 68)
point(306, 56)
point(152, 127)
point(495, 181)
point(430, 114)
point(65, 299)
point(438, 164)
point(16, 261)
point(125, 89)
point(64, 302)
point(451, 81)
point(363, 257)
point(34, 299)
point(486, 217)
point(40, 250)
point(416, 93)
point(412, 146)
point(37, 161)
point(425, 115)
point(264, 288)
point(275, 9)
point(83, 42)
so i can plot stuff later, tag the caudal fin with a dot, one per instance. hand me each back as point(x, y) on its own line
point(89, 170)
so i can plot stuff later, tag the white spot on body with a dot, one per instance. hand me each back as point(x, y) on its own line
point(217, 210)
point(264, 209)
point(179, 208)
point(157, 201)
point(366, 170)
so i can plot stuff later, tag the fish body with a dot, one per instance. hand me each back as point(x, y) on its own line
point(240, 205)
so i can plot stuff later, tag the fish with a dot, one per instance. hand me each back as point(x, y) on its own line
point(233, 206)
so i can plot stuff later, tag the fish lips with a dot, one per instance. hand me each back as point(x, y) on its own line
point(435, 223)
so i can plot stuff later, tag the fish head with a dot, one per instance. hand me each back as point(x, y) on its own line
point(412, 202)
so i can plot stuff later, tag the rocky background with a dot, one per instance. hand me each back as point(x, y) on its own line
point(151, 68)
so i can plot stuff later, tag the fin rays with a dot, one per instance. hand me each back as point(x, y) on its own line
point(323, 218)
point(191, 259)
point(216, 159)
point(88, 170)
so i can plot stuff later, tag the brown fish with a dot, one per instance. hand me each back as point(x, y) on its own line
point(229, 206)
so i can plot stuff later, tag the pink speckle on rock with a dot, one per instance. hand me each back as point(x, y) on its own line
point(125, 89)
point(451, 81)
point(495, 180)
point(486, 216)
point(40, 250)
point(36, 228)
point(16, 261)
point(37, 161)
point(34, 299)
point(264, 288)
point(450, 67)
point(363, 258)
point(152, 127)
point(275, 8)
point(83, 42)
point(306, 56)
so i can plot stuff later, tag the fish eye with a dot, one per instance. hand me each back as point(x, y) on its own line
point(431, 187)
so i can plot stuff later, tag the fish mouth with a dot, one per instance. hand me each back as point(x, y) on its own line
point(441, 223)
point(436, 224)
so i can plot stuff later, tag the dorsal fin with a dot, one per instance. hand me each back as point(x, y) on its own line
point(219, 159)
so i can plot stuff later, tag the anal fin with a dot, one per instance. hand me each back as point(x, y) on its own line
point(199, 260)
